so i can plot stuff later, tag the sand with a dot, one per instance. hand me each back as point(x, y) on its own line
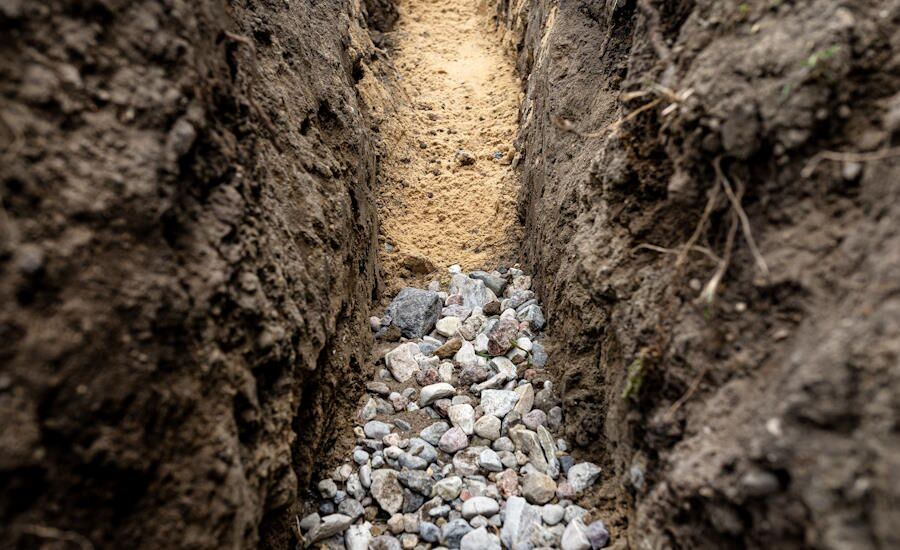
point(462, 93)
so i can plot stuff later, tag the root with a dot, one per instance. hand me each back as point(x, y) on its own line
point(701, 226)
point(708, 294)
point(701, 249)
point(838, 156)
point(670, 414)
point(745, 221)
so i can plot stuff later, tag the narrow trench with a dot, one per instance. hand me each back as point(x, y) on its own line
point(457, 440)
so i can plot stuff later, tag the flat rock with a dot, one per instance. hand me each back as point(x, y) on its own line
point(526, 399)
point(575, 537)
point(463, 417)
point(493, 282)
point(489, 461)
point(414, 311)
point(449, 349)
point(386, 490)
point(432, 434)
point(433, 392)
point(480, 506)
point(331, 525)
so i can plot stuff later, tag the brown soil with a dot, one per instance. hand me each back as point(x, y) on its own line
point(187, 254)
point(459, 92)
point(768, 417)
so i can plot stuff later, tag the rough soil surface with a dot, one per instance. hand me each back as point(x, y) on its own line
point(458, 91)
point(187, 254)
point(767, 417)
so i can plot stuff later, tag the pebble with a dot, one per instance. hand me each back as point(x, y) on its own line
point(386, 490)
point(479, 506)
point(538, 488)
point(448, 326)
point(358, 537)
point(330, 525)
point(552, 513)
point(498, 402)
point(489, 461)
point(376, 429)
point(433, 392)
point(463, 417)
point(480, 539)
point(575, 537)
point(597, 535)
point(448, 488)
point(453, 440)
point(401, 361)
point(453, 531)
point(582, 476)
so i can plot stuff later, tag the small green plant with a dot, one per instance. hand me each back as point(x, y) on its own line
point(635, 379)
point(822, 55)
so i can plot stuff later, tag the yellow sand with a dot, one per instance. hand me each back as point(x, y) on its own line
point(461, 93)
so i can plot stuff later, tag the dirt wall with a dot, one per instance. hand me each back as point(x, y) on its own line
point(763, 414)
point(186, 262)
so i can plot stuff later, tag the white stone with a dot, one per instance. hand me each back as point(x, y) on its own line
point(401, 361)
point(330, 526)
point(448, 488)
point(502, 365)
point(581, 476)
point(386, 490)
point(448, 326)
point(357, 537)
point(446, 372)
point(479, 539)
point(574, 537)
point(481, 343)
point(479, 506)
point(498, 402)
point(463, 417)
point(466, 355)
point(524, 343)
point(433, 392)
point(488, 460)
point(520, 520)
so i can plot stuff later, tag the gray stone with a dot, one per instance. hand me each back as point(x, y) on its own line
point(360, 456)
point(582, 476)
point(479, 506)
point(503, 444)
point(466, 462)
point(597, 535)
point(351, 507)
point(386, 490)
point(573, 512)
point(493, 282)
point(376, 429)
point(401, 361)
point(417, 480)
point(453, 531)
point(526, 399)
point(489, 461)
point(327, 488)
point(535, 418)
point(538, 488)
point(384, 542)
point(474, 292)
point(433, 392)
point(310, 521)
point(488, 427)
point(429, 532)
point(414, 311)
point(533, 316)
point(422, 449)
point(354, 487)
point(448, 488)
point(538, 355)
point(552, 513)
point(432, 434)
point(498, 402)
point(453, 440)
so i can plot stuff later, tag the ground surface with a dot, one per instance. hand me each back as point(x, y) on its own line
point(459, 92)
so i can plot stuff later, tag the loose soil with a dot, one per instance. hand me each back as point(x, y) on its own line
point(460, 92)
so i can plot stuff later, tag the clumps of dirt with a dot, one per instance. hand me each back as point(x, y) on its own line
point(187, 256)
point(756, 415)
point(448, 191)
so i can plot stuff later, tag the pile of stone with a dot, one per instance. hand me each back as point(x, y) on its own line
point(486, 471)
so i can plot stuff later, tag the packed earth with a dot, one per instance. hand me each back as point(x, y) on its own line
point(456, 442)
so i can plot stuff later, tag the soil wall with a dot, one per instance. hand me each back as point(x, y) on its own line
point(187, 255)
point(764, 414)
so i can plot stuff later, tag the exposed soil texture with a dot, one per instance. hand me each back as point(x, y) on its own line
point(187, 254)
point(767, 417)
point(448, 193)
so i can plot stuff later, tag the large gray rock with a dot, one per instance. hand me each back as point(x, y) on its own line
point(415, 311)
point(498, 402)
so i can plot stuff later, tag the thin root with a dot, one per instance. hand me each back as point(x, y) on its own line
point(839, 156)
point(745, 221)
